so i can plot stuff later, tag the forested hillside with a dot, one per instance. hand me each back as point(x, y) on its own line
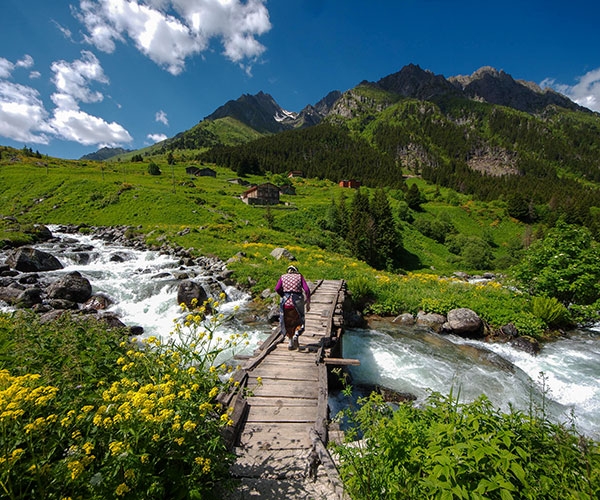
point(544, 166)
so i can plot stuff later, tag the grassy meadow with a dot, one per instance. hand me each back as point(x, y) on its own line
point(207, 215)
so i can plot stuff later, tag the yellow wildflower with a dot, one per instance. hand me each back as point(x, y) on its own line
point(122, 489)
point(116, 447)
point(189, 426)
point(76, 468)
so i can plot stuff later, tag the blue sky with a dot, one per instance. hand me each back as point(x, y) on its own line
point(81, 74)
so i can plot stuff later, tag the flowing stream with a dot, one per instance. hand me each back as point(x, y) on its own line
point(143, 287)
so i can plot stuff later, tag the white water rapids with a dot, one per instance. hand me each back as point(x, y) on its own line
point(143, 286)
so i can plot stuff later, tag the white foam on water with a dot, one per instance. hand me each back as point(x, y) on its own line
point(426, 362)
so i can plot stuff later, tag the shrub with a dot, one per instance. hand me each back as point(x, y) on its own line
point(447, 449)
point(153, 169)
point(550, 311)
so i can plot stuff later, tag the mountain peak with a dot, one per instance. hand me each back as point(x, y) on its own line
point(497, 87)
point(413, 81)
point(259, 111)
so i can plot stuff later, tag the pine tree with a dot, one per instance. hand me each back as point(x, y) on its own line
point(360, 231)
point(387, 242)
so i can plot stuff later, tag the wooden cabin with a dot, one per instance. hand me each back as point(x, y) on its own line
point(263, 194)
point(200, 172)
point(351, 183)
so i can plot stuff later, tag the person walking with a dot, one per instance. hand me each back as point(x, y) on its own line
point(292, 305)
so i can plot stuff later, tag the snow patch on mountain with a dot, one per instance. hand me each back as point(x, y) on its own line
point(283, 115)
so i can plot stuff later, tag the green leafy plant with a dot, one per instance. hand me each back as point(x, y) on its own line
point(550, 311)
point(447, 449)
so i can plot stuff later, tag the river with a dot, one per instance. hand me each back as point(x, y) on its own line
point(143, 286)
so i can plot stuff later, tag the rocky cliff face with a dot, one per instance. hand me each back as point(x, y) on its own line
point(497, 87)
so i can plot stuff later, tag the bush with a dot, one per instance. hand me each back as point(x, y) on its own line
point(564, 265)
point(550, 311)
point(448, 449)
point(153, 169)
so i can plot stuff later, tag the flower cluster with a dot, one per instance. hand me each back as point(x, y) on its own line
point(153, 428)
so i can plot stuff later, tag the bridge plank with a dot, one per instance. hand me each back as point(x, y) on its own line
point(286, 389)
point(279, 436)
point(281, 414)
point(281, 402)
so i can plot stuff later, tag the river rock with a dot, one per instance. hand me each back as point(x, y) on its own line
point(73, 287)
point(112, 320)
point(31, 260)
point(98, 302)
point(29, 279)
point(10, 294)
point(431, 320)
point(527, 344)
point(188, 290)
point(464, 322)
point(282, 253)
point(29, 297)
point(406, 319)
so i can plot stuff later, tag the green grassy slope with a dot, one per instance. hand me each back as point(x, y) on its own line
point(207, 215)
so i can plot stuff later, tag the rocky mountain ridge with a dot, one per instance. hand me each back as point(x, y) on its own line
point(487, 84)
point(263, 114)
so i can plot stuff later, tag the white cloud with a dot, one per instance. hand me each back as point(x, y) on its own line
point(6, 68)
point(161, 117)
point(65, 31)
point(585, 93)
point(34, 74)
point(156, 137)
point(169, 31)
point(78, 126)
point(72, 80)
point(26, 62)
point(22, 114)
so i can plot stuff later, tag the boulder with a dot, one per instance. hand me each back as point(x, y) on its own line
point(98, 302)
point(112, 320)
point(406, 319)
point(41, 232)
point(31, 260)
point(509, 330)
point(464, 322)
point(189, 290)
point(29, 297)
point(9, 294)
point(282, 253)
point(72, 287)
point(431, 320)
point(527, 344)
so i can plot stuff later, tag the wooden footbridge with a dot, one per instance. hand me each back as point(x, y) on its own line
point(280, 434)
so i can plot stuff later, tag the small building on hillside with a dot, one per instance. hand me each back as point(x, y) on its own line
point(200, 172)
point(263, 194)
point(295, 173)
point(351, 183)
point(287, 189)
